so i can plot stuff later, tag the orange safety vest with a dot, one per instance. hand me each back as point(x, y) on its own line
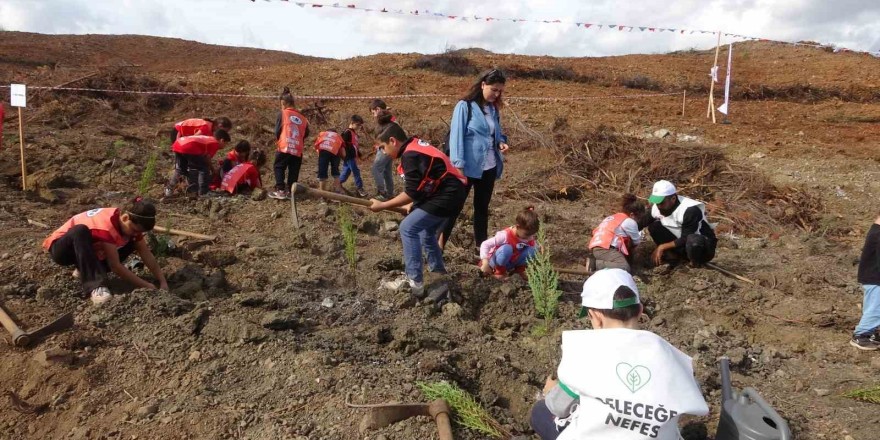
point(241, 174)
point(329, 141)
point(293, 129)
point(604, 234)
point(199, 145)
point(194, 126)
point(428, 184)
point(514, 243)
point(102, 222)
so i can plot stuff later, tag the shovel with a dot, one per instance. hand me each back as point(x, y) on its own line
point(302, 190)
point(21, 338)
point(384, 415)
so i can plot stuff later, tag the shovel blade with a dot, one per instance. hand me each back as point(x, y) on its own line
point(63, 322)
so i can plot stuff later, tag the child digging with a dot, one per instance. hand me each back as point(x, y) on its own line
point(613, 241)
point(101, 239)
point(510, 249)
point(352, 154)
point(329, 146)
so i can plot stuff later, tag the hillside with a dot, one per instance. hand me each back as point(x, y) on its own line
point(266, 332)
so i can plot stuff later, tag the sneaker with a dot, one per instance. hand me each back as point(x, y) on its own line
point(279, 194)
point(395, 284)
point(101, 295)
point(361, 192)
point(381, 197)
point(864, 342)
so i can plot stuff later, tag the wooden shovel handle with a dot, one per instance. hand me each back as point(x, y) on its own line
point(19, 337)
point(329, 195)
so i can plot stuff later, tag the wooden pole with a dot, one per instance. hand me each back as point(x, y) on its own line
point(711, 110)
point(684, 97)
point(729, 273)
point(184, 233)
point(21, 144)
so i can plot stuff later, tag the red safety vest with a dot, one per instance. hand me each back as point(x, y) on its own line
point(604, 234)
point(329, 141)
point(197, 144)
point(354, 141)
point(104, 225)
point(194, 126)
point(514, 242)
point(293, 132)
point(428, 184)
point(241, 174)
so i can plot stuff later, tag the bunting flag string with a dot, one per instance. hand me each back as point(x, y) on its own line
point(619, 27)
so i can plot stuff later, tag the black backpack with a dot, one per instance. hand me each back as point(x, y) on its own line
point(445, 146)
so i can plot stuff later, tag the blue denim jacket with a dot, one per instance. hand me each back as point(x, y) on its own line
point(468, 145)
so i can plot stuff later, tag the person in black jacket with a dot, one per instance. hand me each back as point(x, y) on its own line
point(436, 192)
point(678, 225)
point(865, 336)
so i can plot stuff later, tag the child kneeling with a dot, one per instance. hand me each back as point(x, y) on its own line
point(510, 250)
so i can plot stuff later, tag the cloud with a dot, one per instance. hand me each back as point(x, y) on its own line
point(342, 33)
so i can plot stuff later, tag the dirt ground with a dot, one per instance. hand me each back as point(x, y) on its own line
point(266, 332)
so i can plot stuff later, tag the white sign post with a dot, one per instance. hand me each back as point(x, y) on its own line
point(18, 98)
point(724, 107)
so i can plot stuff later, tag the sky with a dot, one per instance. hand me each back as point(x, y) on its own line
point(343, 33)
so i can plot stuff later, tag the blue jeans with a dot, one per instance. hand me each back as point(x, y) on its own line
point(870, 310)
point(382, 173)
point(543, 422)
point(502, 257)
point(419, 230)
point(350, 166)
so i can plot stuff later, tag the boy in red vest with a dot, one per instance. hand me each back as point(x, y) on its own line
point(613, 241)
point(352, 154)
point(291, 130)
point(509, 250)
point(435, 191)
point(192, 158)
point(202, 126)
point(244, 176)
point(330, 149)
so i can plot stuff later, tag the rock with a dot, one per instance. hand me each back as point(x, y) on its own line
point(27, 256)
point(390, 226)
point(328, 303)
point(507, 290)
point(54, 356)
point(45, 293)
point(279, 321)
point(253, 299)
point(389, 263)
point(438, 293)
point(452, 310)
point(661, 133)
point(258, 195)
point(875, 363)
point(687, 138)
point(146, 411)
point(304, 270)
point(738, 357)
point(821, 392)
point(369, 226)
point(215, 283)
point(757, 155)
point(275, 215)
point(241, 245)
point(195, 355)
point(193, 322)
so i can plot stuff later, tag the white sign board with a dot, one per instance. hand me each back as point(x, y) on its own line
point(18, 95)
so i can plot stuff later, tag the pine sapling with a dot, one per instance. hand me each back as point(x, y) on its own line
point(466, 410)
point(148, 175)
point(349, 236)
point(543, 281)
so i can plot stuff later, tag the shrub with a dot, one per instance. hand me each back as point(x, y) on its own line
point(448, 62)
point(555, 73)
point(641, 82)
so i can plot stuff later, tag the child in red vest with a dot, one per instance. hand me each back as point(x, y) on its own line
point(613, 241)
point(291, 130)
point(192, 158)
point(101, 239)
point(353, 154)
point(330, 149)
point(244, 176)
point(202, 126)
point(509, 250)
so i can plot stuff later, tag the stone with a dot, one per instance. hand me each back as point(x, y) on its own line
point(195, 355)
point(821, 392)
point(452, 310)
point(45, 293)
point(279, 321)
point(259, 195)
point(390, 226)
point(507, 290)
point(54, 356)
point(241, 245)
point(661, 133)
point(146, 411)
point(328, 303)
point(303, 270)
point(757, 155)
point(875, 363)
point(253, 299)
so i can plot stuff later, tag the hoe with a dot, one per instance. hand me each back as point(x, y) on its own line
point(22, 338)
point(303, 190)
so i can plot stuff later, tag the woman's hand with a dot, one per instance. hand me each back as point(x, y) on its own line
point(502, 147)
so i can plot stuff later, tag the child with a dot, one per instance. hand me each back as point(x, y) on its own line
point(865, 336)
point(352, 154)
point(102, 239)
point(236, 156)
point(509, 250)
point(615, 238)
point(245, 176)
point(436, 191)
point(616, 381)
point(329, 146)
point(192, 155)
point(381, 169)
point(203, 126)
point(291, 130)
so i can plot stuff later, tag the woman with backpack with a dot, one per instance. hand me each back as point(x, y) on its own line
point(476, 144)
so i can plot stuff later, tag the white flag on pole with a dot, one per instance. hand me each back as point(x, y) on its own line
point(723, 108)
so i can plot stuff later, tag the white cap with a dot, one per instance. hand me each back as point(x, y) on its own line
point(600, 288)
point(661, 189)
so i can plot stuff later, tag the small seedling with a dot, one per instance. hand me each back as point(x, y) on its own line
point(148, 175)
point(544, 283)
point(467, 412)
point(870, 394)
point(349, 236)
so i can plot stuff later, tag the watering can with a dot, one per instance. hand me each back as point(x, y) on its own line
point(746, 415)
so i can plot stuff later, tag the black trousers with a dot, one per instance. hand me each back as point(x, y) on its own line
point(542, 422)
point(289, 163)
point(699, 249)
point(483, 189)
point(196, 169)
point(76, 248)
